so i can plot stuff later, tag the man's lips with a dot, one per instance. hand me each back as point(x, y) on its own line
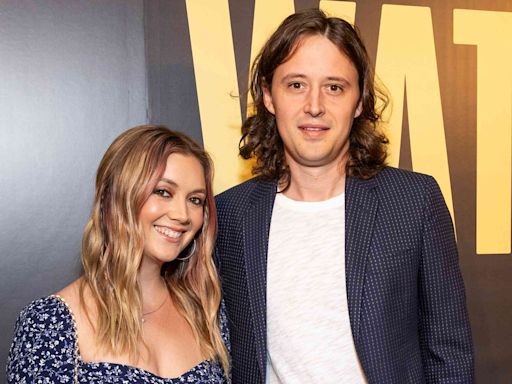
point(313, 127)
point(313, 131)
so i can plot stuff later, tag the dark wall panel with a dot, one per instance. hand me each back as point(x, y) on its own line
point(171, 82)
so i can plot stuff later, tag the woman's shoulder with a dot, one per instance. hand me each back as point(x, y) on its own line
point(43, 314)
point(49, 314)
point(48, 318)
point(44, 336)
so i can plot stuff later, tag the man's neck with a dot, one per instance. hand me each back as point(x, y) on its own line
point(316, 183)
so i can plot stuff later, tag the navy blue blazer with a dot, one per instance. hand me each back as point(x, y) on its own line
point(405, 291)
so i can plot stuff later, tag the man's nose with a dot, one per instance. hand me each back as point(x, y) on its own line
point(314, 105)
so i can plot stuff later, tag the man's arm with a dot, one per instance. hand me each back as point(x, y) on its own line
point(445, 334)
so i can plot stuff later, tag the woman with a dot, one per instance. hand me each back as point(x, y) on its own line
point(146, 308)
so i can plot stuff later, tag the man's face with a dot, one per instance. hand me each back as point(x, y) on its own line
point(315, 98)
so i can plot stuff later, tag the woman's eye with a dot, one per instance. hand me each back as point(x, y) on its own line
point(197, 201)
point(162, 193)
point(335, 88)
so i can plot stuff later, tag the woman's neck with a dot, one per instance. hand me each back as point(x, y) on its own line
point(152, 285)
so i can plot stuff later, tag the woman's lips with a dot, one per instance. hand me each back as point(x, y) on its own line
point(168, 232)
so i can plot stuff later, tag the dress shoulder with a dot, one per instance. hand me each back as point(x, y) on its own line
point(44, 343)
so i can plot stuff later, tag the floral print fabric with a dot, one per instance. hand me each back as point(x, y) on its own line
point(44, 350)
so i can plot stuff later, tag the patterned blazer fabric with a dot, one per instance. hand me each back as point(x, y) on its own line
point(405, 292)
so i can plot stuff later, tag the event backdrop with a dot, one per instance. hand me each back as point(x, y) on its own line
point(75, 73)
point(448, 68)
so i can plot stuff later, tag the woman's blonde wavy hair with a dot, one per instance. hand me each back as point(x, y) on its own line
point(113, 244)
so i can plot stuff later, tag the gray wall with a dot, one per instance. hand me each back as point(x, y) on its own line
point(72, 77)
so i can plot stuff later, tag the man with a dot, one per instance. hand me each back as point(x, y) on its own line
point(335, 268)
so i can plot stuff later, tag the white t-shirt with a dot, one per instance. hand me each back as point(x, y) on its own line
point(308, 329)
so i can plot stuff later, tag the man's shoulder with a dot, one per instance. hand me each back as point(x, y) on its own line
point(234, 203)
point(391, 175)
point(242, 192)
point(404, 184)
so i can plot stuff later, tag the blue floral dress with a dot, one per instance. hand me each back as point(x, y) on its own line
point(45, 350)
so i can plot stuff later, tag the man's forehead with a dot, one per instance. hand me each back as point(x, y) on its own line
point(302, 39)
point(311, 56)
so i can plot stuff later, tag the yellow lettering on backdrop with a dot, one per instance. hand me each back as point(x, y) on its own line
point(342, 9)
point(406, 57)
point(491, 32)
point(216, 81)
point(268, 14)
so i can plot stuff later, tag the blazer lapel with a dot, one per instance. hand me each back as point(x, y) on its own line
point(256, 225)
point(361, 205)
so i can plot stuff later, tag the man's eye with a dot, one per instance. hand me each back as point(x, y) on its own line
point(295, 85)
point(197, 201)
point(162, 193)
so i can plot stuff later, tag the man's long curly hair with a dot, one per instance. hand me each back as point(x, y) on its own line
point(260, 137)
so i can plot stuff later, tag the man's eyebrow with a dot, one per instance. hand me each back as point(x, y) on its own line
point(294, 76)
point(338, 78)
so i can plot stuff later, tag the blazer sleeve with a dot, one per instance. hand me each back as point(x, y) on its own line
point(445, 334)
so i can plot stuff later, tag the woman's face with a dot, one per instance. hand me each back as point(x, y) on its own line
point(173, 213)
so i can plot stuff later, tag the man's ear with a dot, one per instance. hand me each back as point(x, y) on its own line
point(267, 98)
point(359, 108)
